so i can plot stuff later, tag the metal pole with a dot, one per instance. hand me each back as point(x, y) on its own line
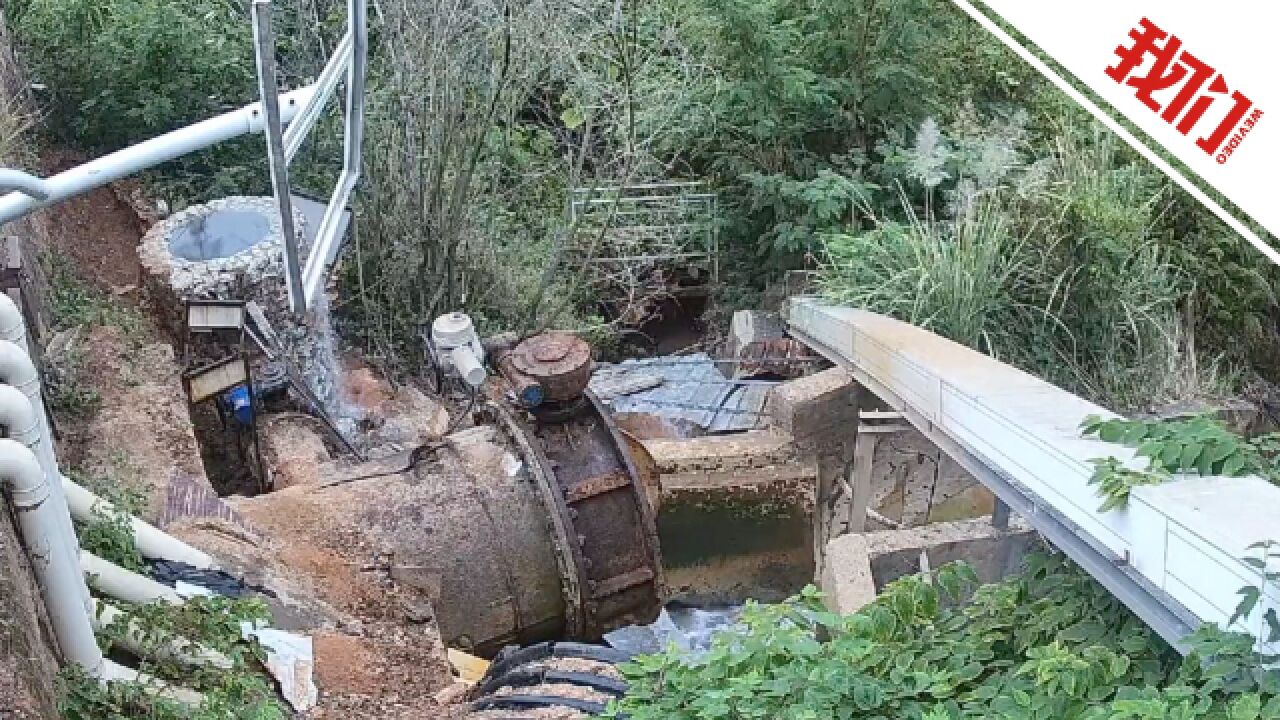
point(1000, 515)
point(147, 154)
point(359, 28)
point(264, 54)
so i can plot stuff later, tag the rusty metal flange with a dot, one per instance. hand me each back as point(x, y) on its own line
point(602, 524)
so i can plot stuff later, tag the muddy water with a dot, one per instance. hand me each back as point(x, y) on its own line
point(220, 234)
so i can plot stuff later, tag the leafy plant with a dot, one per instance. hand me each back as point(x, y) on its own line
point(1198, 444)
point(1114, 481)
point(1250, 595)
point(1048, 644)
point(240, 692)
point(169, 64)
point(109, 535)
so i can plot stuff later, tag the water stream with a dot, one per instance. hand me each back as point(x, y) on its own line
point(689, 629)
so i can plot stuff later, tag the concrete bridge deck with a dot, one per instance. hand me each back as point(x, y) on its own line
point(1174, 555)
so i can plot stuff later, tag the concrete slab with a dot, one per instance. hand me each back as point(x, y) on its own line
point(857, 566)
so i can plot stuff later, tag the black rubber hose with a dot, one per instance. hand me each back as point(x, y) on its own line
point(525, 702)
point(525, 676)
point(511, 658)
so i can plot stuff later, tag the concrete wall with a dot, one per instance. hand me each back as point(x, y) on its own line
point(859, 565)
point(735, 517)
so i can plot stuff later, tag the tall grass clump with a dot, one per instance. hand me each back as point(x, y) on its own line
point(1057, 266)
point(956, 278)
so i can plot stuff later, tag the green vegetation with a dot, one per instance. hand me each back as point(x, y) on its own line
point(238, 693)
point(1199, 444)
point(908, 157)
point(76, 305)
point(1050, 644)
point(109, 534)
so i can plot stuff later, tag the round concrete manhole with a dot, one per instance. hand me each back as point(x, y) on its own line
point(219, 234)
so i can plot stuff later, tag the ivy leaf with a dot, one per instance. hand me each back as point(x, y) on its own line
point(1150, 449)
point(1245, 707)
point(1218, 450)
point(1119, 666)
point(1111, 432)
point(1134, 434)
point(1233, 465)
point(1190, 454)
point(573, 117)
point(1249, 596)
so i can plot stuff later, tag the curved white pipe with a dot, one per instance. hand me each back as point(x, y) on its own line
point(16, 369)
point(23, 182)
point(61, 582)
point(140, 641)
point(13, 327)
point(20, 421)
point(152, 541)
point(114, 581)
point(122, 163)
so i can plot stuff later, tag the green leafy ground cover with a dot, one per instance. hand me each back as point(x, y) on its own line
point(1049, 644)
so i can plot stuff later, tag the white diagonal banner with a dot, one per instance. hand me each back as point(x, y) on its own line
point(1197, 79)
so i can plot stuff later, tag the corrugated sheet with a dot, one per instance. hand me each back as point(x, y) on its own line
point(691, 389)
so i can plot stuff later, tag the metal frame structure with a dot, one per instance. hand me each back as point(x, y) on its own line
point(349, 57)
point(29, 192)
point(653, 208)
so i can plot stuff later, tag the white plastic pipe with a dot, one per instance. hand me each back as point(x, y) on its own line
point(468, 365)
point(61, 582)
point(19, 420)
point(114, 581)
point(148, 154)
point(23, 182)
point(152, 541)
point(114, 672)
point(141, 641)
point(13, 327)
point(16, 369)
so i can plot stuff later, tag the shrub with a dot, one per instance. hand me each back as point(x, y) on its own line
point(119, 71)
point(1049, 644)
point(955, 278)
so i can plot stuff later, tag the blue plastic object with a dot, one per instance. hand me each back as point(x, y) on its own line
point(241, 404)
